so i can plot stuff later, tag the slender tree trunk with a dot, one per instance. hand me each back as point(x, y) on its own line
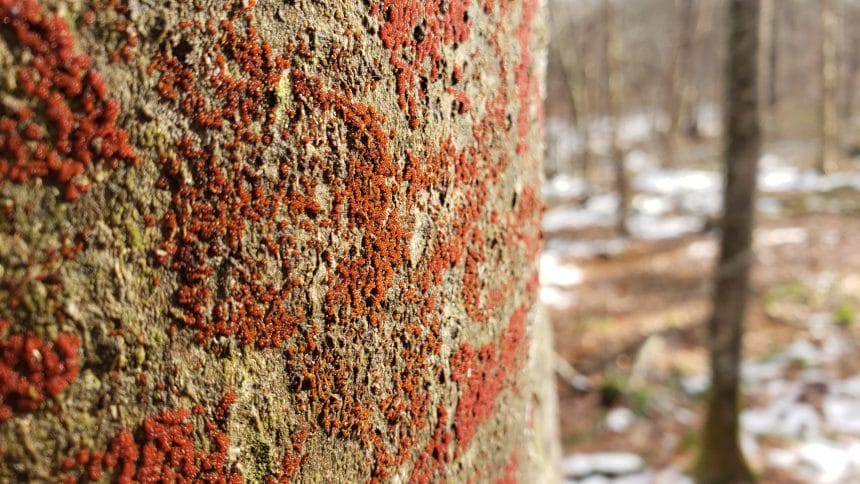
point(272, 241)
point(828, 138)
point(678, 94)
point(721, 460)
point(852, 61)
point(613, 96)
point(574, 71)
point(767, 60)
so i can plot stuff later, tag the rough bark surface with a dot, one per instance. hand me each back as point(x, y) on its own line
point(721, 460)
point(271, 241)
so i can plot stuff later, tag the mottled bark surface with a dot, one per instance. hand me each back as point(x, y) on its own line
point(721, 460)
point(271, 241)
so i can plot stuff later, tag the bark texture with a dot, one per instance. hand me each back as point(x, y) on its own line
point(828, 137)
point(613, 98)
point(721, 460)
point(272, 241)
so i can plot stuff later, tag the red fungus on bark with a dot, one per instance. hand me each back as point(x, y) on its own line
point(31, 370)
point(69, 123)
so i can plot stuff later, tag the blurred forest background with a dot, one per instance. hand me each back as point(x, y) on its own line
point(634, 197)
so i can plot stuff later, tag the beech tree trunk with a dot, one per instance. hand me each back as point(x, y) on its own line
point(721, 460)
point(272, 241)
point(613, 98)
point(828, 138)
point(678, 95)
point(575, 73)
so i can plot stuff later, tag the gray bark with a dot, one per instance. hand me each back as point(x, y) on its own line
point(720, 458)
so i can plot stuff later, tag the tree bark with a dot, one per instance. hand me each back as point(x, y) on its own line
point(613, 97)
point(575, 74)
point(272, 241)
point(720, 459)
point(768, 60)
point(678, 93)
point(828, 128)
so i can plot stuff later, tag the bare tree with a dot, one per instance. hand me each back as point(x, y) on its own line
point(678, 92)
point(574, 67)
point(613, 97)
point(768, 57)
point(828, 138)
point(721, 460)
point(851, 59)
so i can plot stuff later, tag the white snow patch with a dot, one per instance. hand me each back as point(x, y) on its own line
point(606, 463)
point(675, 182)
point(619, 419)
point(555, 273)
point(702, 249)
point(781, 236)
point(584, 249)
point(556, 298)
point(832, 462)
point(659, 228)
point(599, 211)
point(653, 205)
point(638, 160)
point(564, 187)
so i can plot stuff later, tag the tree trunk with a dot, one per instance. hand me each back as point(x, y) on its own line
point(575, 74)
point(768, 59)
point(828, 129)
point(852, 61)
point(272, 241)
point(613, 96)
point(721, 460)
point(678, 94)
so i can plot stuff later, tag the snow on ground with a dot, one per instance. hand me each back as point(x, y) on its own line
point(564, 187)
point(556, 280)
point(814, 417)
point(598, 211)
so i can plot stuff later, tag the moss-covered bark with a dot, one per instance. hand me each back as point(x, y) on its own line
point(271, 241)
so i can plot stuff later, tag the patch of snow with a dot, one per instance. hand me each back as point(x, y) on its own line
point(850, 386)
point(564, 187)
point(781, 236)
point(619, 419)
point(557, 298)
point(756, 371)
point(594, 480)
point(658, 228)
point(605, 463)
point(638, 160)
point(696, 384)
point(642, 478)
point(842, 414)
point(653, 205)
point(676, 182)
point(584, 249)
point(599, 211)
point(782, 418)
point(709, 202)
point(702, 249)
point(554, 273)
point(672, 475)
point(831, 461)
point(768, 205)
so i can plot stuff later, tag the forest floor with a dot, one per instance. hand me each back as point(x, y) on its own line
point(630, 317)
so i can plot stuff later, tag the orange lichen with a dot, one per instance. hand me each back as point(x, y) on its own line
point(66, 121)
point(416, 33)
point(163, 450)
point(32, 370)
